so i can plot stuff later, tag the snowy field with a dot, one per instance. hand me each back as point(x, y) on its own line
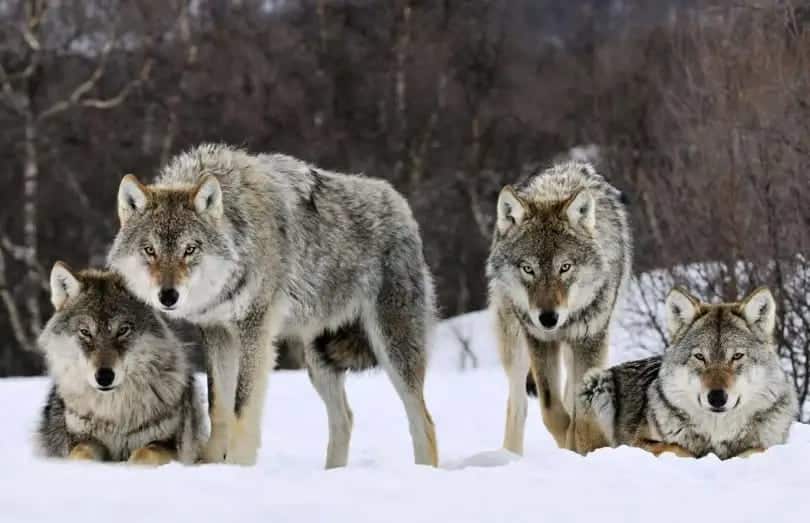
point(476, 481)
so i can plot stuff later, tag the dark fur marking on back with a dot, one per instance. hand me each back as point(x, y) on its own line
point(317, 186)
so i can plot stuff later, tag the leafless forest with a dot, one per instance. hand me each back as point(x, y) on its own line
point(699, 111)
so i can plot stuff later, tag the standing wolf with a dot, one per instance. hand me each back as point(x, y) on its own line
point(257, 248)
point(123, 387)
point(561, 253)
point(719, 386)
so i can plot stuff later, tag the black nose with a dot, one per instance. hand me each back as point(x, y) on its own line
point(168, 297)
point(717, 398)
point(548, 319)
point(105, 376)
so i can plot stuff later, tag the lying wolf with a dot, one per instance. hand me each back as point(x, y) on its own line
point(123, 387)
point(719, 387)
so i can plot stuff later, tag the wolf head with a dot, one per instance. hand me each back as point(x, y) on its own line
point(544, 257)
point(100, 336)
point(171, 249)
point(721, 356)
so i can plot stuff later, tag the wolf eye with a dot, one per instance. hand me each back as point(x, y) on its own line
point(123, 330)
point(191, 249)
point(737, 356)
point(565, 267)
point(85, 333)
point(700, 357)
point(525, 267)
point(149, 250)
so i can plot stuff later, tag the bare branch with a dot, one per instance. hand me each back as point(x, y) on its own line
point(118, 99)
point(14, 317)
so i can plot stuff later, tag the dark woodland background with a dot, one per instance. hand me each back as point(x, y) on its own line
point(699, 111)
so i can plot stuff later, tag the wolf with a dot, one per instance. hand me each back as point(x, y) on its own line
point(257, 249)
point(718, 388)
point(123, 388)
point(560, 256)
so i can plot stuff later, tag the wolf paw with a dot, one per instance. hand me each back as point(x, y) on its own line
point(84, 452)
point(151, 456)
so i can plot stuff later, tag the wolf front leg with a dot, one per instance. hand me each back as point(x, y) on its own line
point(222, 364)
point(88, 451)
point(584, 434)
point(257, 357)
point(545, 361)
point(515, 361)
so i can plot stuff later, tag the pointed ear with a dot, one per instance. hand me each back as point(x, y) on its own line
point(64, 285)
point(207, 197)
point(511, 209)
point(682, 308)
point(131, 197)
point(581, 210)
point(759, 310)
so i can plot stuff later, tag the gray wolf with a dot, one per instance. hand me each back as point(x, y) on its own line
point(560, 256)
point(718, 388)
point(257, 249)
point(123, 388)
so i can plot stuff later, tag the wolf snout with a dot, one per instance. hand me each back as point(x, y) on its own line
point(548, 319)
point(105, 377)
point(717, 399)
point(168, 297)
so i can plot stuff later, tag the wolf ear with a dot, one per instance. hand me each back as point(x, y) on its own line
point(682, 308)
point(208, 197)
point(581, 210)
point(759, 310)
point(64, 285)
point(511, 209)
point(131, 197)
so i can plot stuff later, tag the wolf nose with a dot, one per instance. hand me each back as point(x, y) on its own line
point(548, 319)
point(105, 376)
point(717, 398)
point(168, 297)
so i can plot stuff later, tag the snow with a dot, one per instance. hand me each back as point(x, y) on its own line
point(476, 482)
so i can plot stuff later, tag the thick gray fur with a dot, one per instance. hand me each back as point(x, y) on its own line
point(155, 400)
point(297, 254)
point(562, 244)
point(663, 399)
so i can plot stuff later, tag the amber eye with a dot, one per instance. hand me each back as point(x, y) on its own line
point(123, 330)
point(565, 267)
point(149, 250)
point(700, 357)
point(525, 267)
point(737, 356)
point(191, 249)
point(85, 333)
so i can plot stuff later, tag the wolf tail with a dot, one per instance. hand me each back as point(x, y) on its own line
point(597, 396)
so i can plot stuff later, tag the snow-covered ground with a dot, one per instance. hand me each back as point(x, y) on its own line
point(476, 481)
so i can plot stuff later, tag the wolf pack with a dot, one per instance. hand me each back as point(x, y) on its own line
point(263, 251)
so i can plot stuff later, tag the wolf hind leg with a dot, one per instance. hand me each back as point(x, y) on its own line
point(515, 361)
point(256, 361)
point(398, 338)
point(330, 385)
point(222, 364)
point(545, 364)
